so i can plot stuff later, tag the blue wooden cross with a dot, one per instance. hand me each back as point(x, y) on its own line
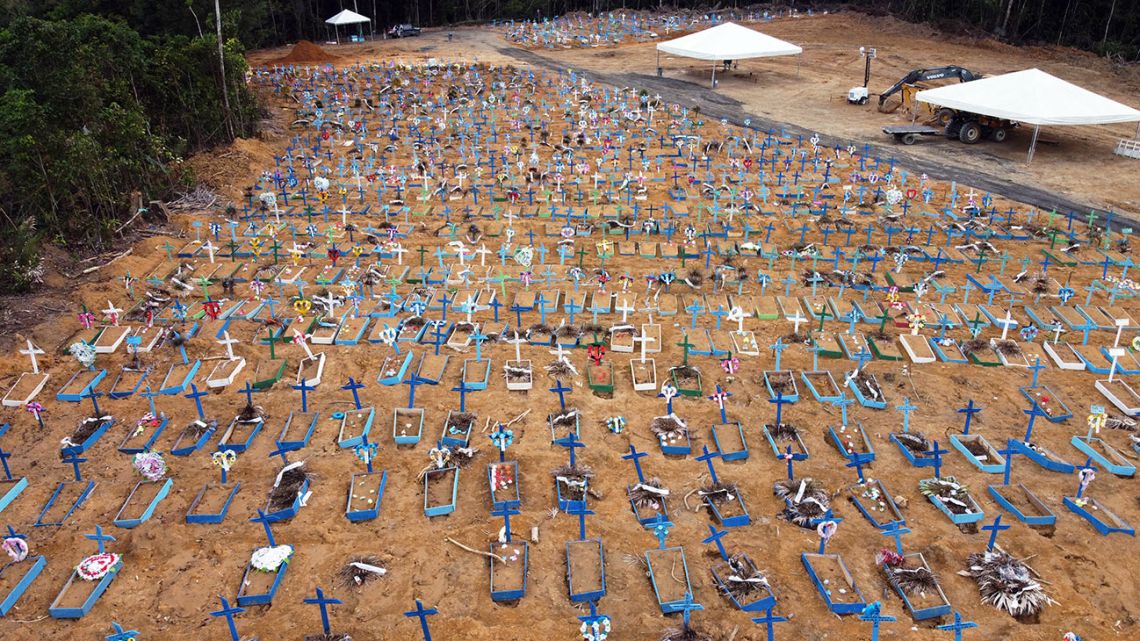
point(661, 527)
point(769, 620)
point(73, 460)
point(1008, 453)
point(228, 612)
point(413, 382)
point(265, 522)
point(715, 537)
point(571, 442)
point(196, 395)
point(479, 337)
point(578, 508)
point(150, 395)
point(791, 461)
point(304, 388)
point(121, 634)
point(687, 605)
point(779, 347)
point(540, 303)
point(1036, 368)
point(858, 460)
point(462, 389)
point(1033, 413)
point(323, 603)
point(94, 396)
point(668, 392)
point(871, 613)
point(593, 617)
point(99, 538)
point(422, 614)
point(634, 455)
point(506, 511)
point(495, 305)
point(561, 390)
point(969, 411)
point(354, 387)
point(707, 458)
point(437, 335)
point(957, 626)
point(842, 404)
point(4, 456)
point(248, 390)
point(993, 529)
point(779, 402)
point(896, 530)
point(1082, 484)
point(281, 451)
point(906, 409)
point(937, 453)
point(719, 398)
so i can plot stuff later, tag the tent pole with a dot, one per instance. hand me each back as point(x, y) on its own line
point(1033, 144)
point(1137, 136)
point(713, 84)
point(658, 63)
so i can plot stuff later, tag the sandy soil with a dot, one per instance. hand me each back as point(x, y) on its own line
point(174, 571)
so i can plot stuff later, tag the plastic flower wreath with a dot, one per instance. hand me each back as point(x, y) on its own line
point(150, 464)
point(96, 566)
point(270, 559)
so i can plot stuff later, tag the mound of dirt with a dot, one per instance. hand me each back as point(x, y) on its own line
point(306, 52)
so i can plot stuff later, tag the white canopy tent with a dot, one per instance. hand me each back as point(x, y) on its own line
point(346, 17)
point(728, 41)
point(1032, 97)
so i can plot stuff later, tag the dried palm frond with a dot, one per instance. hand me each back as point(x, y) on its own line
point(685, 634)
point(649, 493)
point(251, 414)
point(561, 368)
point(668, 428)
point(783, 432)
point(741, 578)
point(1007, 584)
point(360, 570)
point(1007, 347)
point(973, 345)
point(790, 488)
point(567, 418)
point(718, 492)
point(914, 441)
point(288, 485)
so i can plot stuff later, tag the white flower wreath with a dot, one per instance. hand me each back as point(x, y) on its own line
point(270, 559)
point(596, 630)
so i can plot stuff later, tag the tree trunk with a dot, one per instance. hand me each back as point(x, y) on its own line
point(222, 66)
point(1107, 24)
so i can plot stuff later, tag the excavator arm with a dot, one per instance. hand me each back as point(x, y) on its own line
point(933, 73)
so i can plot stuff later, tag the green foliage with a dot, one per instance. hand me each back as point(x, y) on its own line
point(90, 111)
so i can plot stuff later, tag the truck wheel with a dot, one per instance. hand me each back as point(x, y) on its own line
point(908, 139)
point(944, 115)
point(863, 100)
point(999, 134)
point(970, 133)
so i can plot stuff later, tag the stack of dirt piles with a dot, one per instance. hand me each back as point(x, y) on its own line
point(305, 52)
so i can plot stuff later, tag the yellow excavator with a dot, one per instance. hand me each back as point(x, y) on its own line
point(907, 87)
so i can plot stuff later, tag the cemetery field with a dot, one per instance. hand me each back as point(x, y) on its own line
point(425, 271)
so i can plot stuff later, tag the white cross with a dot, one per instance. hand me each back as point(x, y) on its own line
point(399, 251)
point(797, 320)
point(330, 301)
point(518, 346)
point(228, 343)
point(1121, 323)
point(469, 306)
point(1005, 324)
point(209, 247)
point(558, 352)
point(482, 253)
point(644, 339)
point(344, 212)
point(1115, 352)
point(112, 313)
point(737, 314)
point(1056, 333)
point(625, 308)
point(459, 251)
point(302, 340)
point(31, 352)
point(296, 252)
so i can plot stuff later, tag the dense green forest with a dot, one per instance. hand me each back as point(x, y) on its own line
point(100, 98)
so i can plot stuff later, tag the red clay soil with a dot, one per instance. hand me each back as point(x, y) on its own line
point(306, 51)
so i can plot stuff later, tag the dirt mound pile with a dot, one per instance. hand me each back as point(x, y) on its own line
point(306, 52)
